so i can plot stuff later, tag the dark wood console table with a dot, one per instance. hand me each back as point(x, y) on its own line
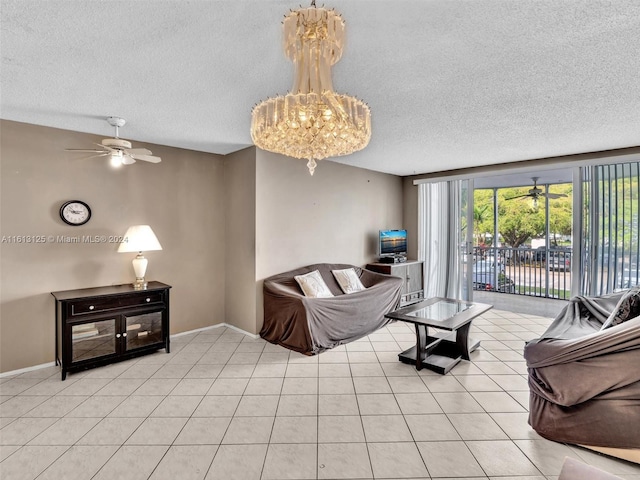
point(440, 352)
point(97, 326)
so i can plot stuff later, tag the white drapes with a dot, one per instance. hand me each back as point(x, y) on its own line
point(440, 238)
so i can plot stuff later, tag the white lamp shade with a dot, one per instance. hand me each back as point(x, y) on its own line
point(139, 238)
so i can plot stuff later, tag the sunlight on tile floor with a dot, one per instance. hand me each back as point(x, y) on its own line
point(225, 406)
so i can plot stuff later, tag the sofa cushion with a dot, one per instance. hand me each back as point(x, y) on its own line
point(627, 308)
point(348, 280)
point(313, 285)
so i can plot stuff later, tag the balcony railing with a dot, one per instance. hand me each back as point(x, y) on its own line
point(536, 272)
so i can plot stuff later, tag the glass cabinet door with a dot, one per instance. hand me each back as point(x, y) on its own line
point(91, 340)
point(143, 329)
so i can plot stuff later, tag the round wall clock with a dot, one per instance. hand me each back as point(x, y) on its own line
point(75, 213)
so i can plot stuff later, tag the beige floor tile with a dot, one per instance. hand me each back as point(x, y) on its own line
point(137, 406)
point(16, 386)
point(431, 428)
point(203, 431)
point(334, 370)
point(238, 462)
point(366, 370)
point(337, 405)
point(302, 370)
point(458, 402)
point(443, 383)
point(290, 461)
point(217, 406)
point(57, 406)
point(343, 461)
point(298, 429)
point(111, 431)
point(379, 404)
point(398, 369)
point(337, 386)
point(66, 431)
point(264, 386)
point(140, 371)
point(396, 460)
point(243, 430)
point(511, 382)
point(340, 429)
point(362, 357)
point(417, 403)
point(132, 462)
point(97, 406)
point(177, 406)
point(371, 385)
point(515, 425)
point(28, 462)
point(236, 371)
point(79, 463)
point(49, 387)
point(244, 358)
point(204, 371)
point(19, 406)
point(476, 426)
point(172, 371)
point(412, 384)
point(333, 357)
point(299, 386)
point(157, 386)
point(606, 463)
point(185, 463)
point(192, 386)
point(157, 431)
point(228, 386)
point(257, 406)
point(270, 358)
point(478, 383)
point(501, 458)
point(449, 459)
point(23, 430)
point(295, 405)
point(268, 370)
point(494, 368)
point(386, 428)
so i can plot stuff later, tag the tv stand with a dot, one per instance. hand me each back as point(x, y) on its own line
point(411, 272)
point(393, 259)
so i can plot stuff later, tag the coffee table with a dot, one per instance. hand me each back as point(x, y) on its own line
point(441, 351)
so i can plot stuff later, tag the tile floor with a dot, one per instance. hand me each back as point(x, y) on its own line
point(225, 406)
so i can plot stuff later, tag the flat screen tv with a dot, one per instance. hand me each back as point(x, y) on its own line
point(393, 242)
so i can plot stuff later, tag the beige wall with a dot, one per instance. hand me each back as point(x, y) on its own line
point(240, 231)
point(410, 214)
point(332, 216)
point(182, 199)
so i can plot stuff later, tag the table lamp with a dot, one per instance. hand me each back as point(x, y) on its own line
point(139, 238)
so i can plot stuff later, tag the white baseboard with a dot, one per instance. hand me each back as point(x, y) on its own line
point(28, 369)
point(197, 330)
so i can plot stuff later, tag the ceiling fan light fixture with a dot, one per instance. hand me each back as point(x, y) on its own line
point(312, 121)
point(116, 159)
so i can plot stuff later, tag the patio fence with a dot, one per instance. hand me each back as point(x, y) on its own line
point(536, 272)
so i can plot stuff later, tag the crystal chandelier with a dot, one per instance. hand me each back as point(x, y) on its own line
point(312, 121)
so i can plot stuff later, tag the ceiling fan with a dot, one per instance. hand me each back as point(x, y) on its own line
point(536, 192)
point(120, 150)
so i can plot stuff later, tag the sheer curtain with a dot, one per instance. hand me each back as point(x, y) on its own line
point(440, 238)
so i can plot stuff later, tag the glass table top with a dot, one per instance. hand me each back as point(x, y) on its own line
point(441, 310)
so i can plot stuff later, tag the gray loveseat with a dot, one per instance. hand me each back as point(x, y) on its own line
point(585, 382)
point(312, 325)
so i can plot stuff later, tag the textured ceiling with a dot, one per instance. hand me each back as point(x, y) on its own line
point(451, 83)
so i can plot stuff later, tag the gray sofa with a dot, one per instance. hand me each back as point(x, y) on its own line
point(312, 325)
point(585, 382)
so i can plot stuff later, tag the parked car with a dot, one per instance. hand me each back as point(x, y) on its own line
point(484, 276)
point(560, 261)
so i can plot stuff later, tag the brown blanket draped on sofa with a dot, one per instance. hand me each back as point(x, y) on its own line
point(312, 325)
point(585, 382)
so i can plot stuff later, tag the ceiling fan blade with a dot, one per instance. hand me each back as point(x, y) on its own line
point(147, 158)
point(520, 196)
point(101, 154)
point(554, 195)
point(137, 151)
point(83, 150)
point(128, 160)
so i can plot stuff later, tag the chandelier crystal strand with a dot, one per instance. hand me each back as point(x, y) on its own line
point(312, 122)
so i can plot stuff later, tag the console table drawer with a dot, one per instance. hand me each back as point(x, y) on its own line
point(103, 304)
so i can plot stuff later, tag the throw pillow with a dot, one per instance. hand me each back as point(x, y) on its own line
point(313, 285)
point(348, 280)
point(628, 307)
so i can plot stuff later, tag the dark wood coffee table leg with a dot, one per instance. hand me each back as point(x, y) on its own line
point(421, 341)
point(462, 340)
